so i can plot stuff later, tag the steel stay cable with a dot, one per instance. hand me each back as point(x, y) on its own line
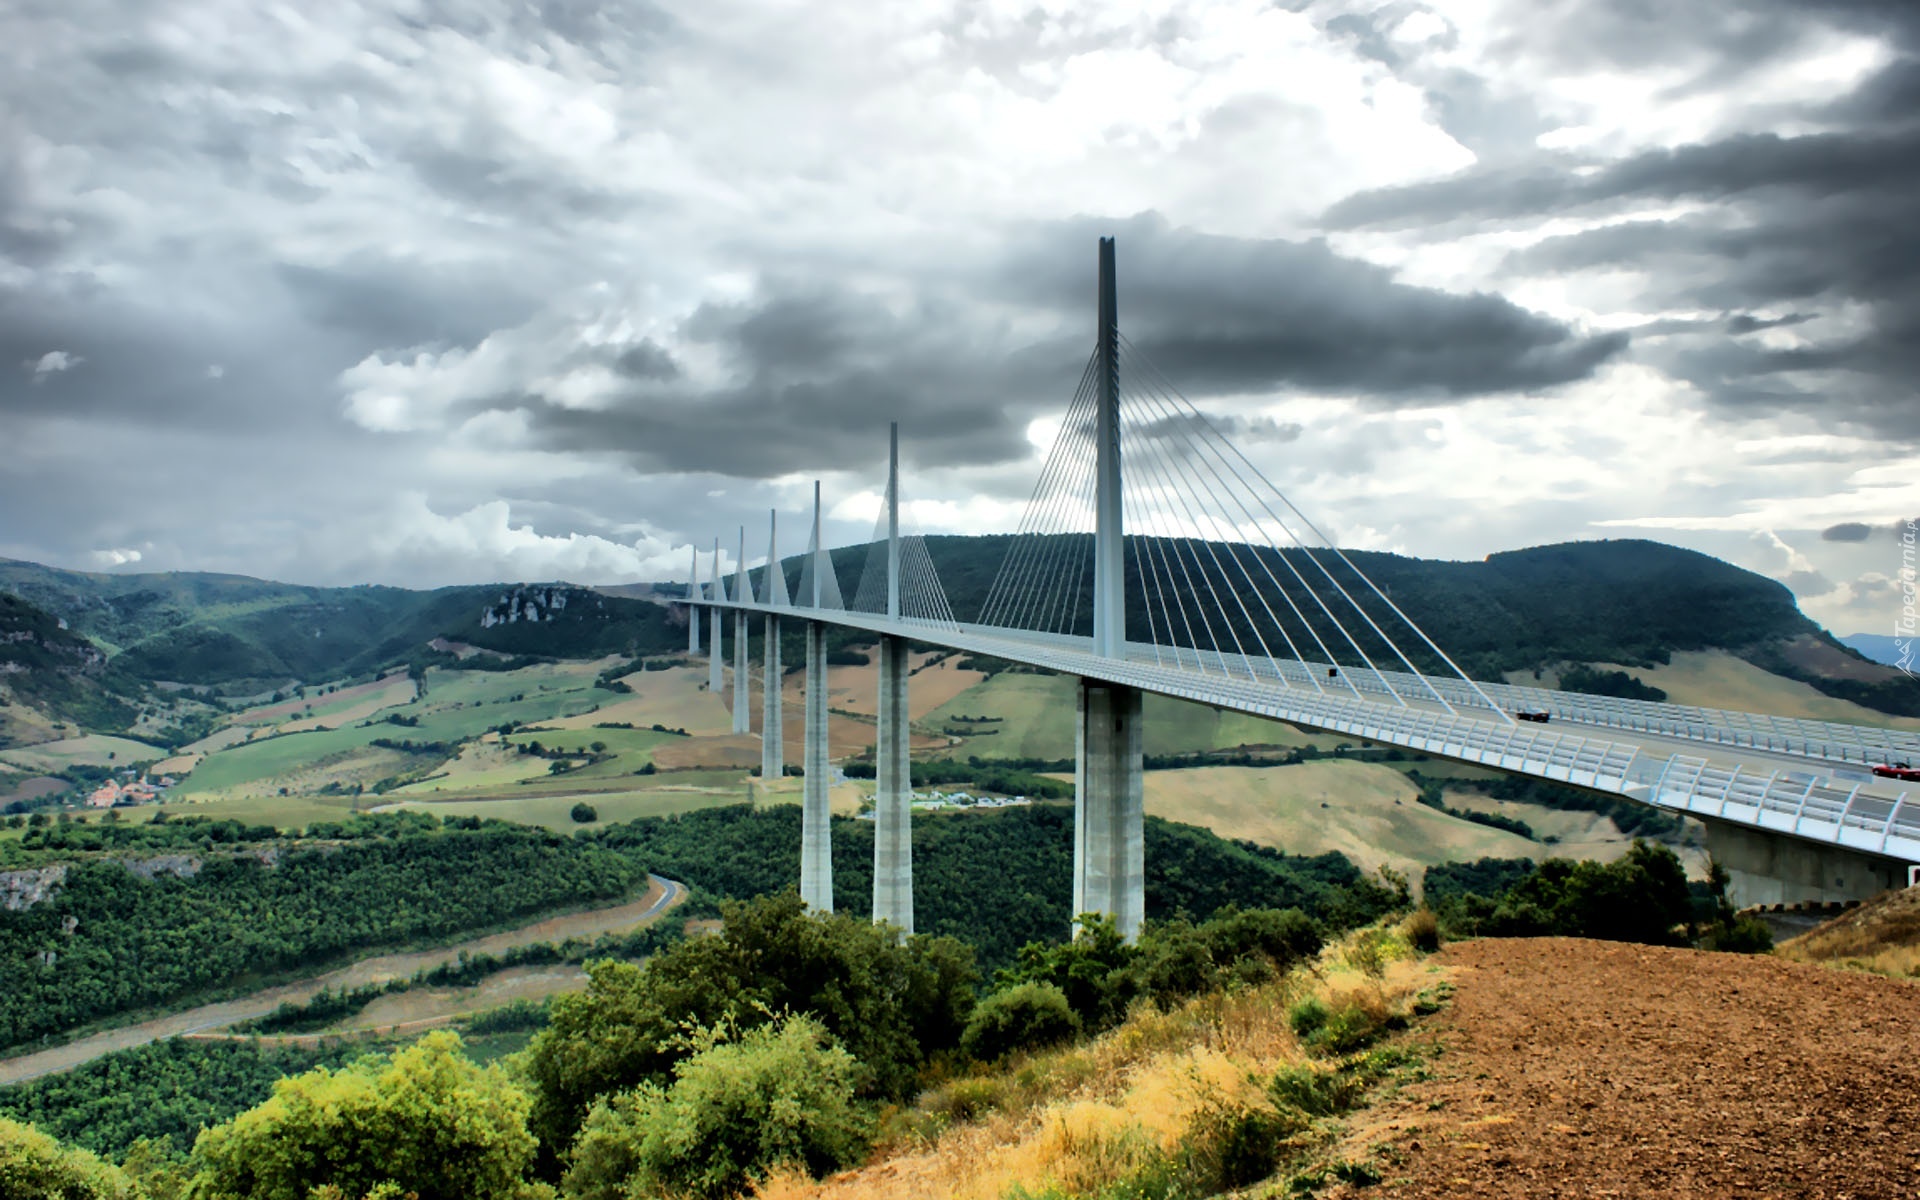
point(1022, 573)
point(1031, 515)
point(1165, 543)
point(1167, 472)
point(1307, 624)
point(1201, 423)
point(1226, 578)
point(1388, 600)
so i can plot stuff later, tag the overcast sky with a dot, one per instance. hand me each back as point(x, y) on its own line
point(435, 291)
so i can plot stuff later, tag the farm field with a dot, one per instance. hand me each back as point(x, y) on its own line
point(93, 750)
point(553, 811)
point(1717, 679)
point(1037, 714)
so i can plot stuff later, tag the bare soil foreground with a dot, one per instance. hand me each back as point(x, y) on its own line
point(1575, 1068)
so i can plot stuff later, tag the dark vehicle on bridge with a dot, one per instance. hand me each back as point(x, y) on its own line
point(1538, 718)
point(1898, 771)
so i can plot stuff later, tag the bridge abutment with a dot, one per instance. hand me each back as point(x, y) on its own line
point(1768, 868)
point(1109, 812)
point(773, 757)
point(893, 794)
point(816, 818)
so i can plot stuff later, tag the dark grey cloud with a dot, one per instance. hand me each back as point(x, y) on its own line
point(1810, 231)
point(814, 368)
point(1847, 531)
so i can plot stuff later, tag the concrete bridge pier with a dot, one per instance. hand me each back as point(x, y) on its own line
point(1769, 868)
point(714, 653)
point(816, 819)
point(1109, 813)
point(742, 718)
point(893, 794)
point(693, 610)
point(773, 757)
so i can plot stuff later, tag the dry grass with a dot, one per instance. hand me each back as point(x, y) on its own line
point(1082, 1119)
point(1882, 936)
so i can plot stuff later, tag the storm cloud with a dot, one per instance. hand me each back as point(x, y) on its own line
point(470, 289)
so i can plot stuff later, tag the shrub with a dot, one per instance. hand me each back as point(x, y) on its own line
point(583, 812)
point(1422, 930)
point(35, 1167)
point(1026, 1016)
point(780, 1096)
point(1745, 935)
point(427, 1120)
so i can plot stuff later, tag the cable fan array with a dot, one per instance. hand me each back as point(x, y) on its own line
point(921, 596)
point(1224, 575)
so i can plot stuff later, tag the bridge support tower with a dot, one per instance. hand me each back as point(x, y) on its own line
point(693, 610)
point(1109, 815)
point(742, 717)
point(893, 777)
point(1109, 811)
point(816, 819)
point(773, 757)
point(714, 655)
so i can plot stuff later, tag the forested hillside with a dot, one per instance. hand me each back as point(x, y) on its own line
point(995, 880)
point(121, 925)
point(59, 672)
point(1626, 601)
point(213, 629)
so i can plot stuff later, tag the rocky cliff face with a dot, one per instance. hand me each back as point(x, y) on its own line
point(21, 890)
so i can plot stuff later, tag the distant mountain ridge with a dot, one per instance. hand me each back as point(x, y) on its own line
point(195, 628)
point(1626, 601)
point(1882, 648)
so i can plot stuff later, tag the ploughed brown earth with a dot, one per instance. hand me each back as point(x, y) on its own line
point(1576, 1068)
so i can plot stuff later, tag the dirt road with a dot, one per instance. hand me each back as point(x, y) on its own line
point(589, 924)
point(1585, 1069)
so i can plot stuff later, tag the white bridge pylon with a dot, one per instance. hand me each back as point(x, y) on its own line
point(1154, 556)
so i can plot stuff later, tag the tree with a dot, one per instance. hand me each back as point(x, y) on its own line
point(782, 1094)
point(584, 813)
point(1026, 1016)
point(35, 1167)
point(427, 1122)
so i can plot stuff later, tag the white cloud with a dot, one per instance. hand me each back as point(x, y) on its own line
point(116, 557)
point(52, 363)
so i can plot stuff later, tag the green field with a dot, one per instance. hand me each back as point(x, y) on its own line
point(553, 811)
point(92, 750)
point(1037, 713)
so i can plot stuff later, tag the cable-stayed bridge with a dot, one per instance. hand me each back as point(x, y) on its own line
point(1153, 556)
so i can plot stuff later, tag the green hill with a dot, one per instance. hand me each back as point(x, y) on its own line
point(190, 627)
point(1631, 602)
point(60, 673)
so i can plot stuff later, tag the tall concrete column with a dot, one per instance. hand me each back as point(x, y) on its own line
point(1109, 814)
point(693, 610)
point(742, 718)
point(1109, 553)
point(816, 820)
point(717, 592)
point(773, 758)
point(893, 795)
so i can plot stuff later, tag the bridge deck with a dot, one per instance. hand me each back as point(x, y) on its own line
point(1801, 779)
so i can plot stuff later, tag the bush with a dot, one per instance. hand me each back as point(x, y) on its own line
point(35, 1167)
point(1422, 930)
point(782, 1095)
point(583, 813)
point(427, 1120)
point(1026, 1016)
point(1745, 935)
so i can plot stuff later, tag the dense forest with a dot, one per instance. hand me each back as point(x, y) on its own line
point(995, 880)
point(110, 940)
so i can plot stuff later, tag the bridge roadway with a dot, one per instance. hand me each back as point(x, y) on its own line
point(1796, 779)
